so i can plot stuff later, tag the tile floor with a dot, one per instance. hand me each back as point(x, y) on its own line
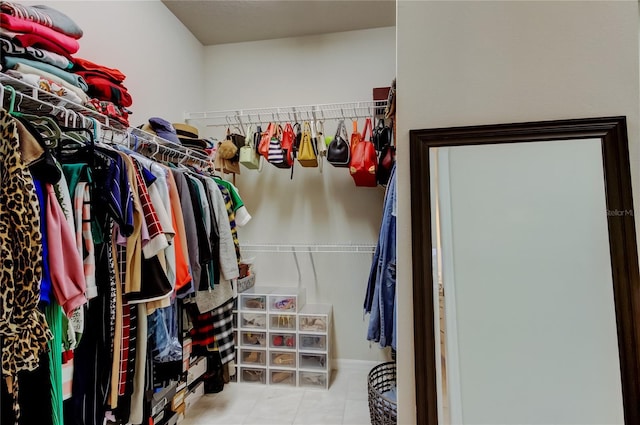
point(345, 402)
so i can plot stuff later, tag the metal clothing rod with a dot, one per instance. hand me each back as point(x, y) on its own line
point(33, 99)
point(329, 111)
point(296, 248)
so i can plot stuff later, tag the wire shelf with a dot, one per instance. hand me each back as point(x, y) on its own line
point(301, 248)
point(34, 100)
point(330, 111)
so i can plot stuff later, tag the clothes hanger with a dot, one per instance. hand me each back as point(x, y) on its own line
point(46, 126)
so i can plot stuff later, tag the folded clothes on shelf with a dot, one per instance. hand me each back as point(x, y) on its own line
point(69, 77)
point(43, 15)
point(36, 41)
point(105, 89)
point(12, 23)
point(11, 48)
point(111, 110)
point(87, 67)
point(45, 84)
point(27, 69)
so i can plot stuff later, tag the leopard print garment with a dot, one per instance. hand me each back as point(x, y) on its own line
point(23, 326)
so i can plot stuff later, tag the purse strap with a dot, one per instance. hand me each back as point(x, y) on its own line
point(317, 128)
point(342, 131)
point(340, 127)
point(306, 131)
point(367, 126)
point(248, 140)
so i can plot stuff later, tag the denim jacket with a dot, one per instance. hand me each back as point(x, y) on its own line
point(381, 291)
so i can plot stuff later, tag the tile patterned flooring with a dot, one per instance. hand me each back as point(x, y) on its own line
point(344, 403)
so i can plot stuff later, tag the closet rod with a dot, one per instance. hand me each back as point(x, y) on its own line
point(329, 111)
point(298, 248)
point(34, 94)
point(33, 99)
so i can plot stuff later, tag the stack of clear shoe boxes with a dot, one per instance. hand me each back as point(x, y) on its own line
point(281, 340)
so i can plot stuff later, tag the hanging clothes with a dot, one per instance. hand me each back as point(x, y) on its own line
point(380, 299)
point(23, 327)
point(128, 243)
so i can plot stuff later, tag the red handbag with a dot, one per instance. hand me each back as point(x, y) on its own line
point(364, 158)
point(288, 143)
point(265, 139)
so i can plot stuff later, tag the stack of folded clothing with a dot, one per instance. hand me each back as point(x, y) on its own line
point(105, 88)
point(37, 46)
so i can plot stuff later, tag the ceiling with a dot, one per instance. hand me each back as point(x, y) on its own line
point(233, 21)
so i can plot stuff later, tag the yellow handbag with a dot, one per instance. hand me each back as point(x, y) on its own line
point(307, 155)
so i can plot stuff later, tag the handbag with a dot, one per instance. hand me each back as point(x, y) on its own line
point(317, 133)
point(385, 163)
point(307, 156)
point(339, 152)
point(257, 135)
point(238, 140)
point(381, 135)
point(364, 159)
point(248, 138)
point(265, 140)
point(248, 155)
point(318, 138)
point(288, 142)
point(278, 155)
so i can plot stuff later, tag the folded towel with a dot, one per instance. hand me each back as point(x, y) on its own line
point(43, 15)
point(87, 66)
point(26, 69)
point(70, 45)
point(76, 80)
point(104, 89)
point(12, 48)
point(45, 84)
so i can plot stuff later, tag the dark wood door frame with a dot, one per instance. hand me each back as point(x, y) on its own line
point(612, 131)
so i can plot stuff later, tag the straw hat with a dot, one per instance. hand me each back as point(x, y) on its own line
point(188, 136)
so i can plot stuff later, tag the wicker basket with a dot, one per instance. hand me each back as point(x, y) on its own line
point(383, 410)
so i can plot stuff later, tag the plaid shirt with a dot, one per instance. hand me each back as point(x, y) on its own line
point(157, 239)
point(214, 328)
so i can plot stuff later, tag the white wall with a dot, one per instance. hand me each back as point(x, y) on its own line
point(314, 208)
point(469, 63)
point(162, 60)
point(337, 67)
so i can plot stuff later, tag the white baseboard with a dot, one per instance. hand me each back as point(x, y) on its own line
point(338, 364)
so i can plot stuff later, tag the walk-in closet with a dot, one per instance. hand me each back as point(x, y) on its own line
point(319, 212)
point(206, 280)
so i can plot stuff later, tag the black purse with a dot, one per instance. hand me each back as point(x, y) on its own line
point(339, 151)
point(257, 135)
point(381, 135)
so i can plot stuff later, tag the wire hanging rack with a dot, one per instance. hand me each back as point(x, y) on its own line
point(30, 98)
point(311, 248)
point(329, 111)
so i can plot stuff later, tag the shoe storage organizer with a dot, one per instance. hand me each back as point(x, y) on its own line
point(281, 339)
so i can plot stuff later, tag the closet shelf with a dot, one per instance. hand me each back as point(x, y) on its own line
point(329, 111)
point(32, 98)
point(298, 248)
